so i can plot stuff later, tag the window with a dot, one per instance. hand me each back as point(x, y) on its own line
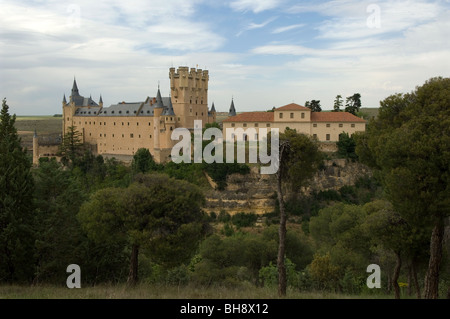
point(232, 124)
point(244, 125)
point(341, 125)
point(292, 115)
point(281, 115)
point(122, 123)
point(131, 135)
point(171, 128)
point(137, 124)
point(303, 115)
point(67, 119)
point(353, 125)
point(315, 135)
point(328, 125)
point(150, 136)
point(104, 123)
point(123, 135)
point(100, 134)
point(256, 124)
point(104, 135)
point(268, 125)
point(139, 135)
point(314, 125)
point(149, 123)
point(113, 135)
point(328, 137)
point(114, 123)
point(100, 123)
point(128, 123)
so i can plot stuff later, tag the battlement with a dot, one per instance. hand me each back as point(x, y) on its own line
point(193, 73)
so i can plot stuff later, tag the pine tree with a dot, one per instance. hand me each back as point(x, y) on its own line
point(72, 146)
point(16, 208)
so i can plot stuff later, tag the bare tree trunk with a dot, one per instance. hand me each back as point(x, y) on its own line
point(432, 276)
point(398, 265)
point(133, 275)
point(410, 280)
point(282, 281)
point(416, 282)
point(282, 243)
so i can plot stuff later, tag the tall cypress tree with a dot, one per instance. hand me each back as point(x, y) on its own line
point(16, 204)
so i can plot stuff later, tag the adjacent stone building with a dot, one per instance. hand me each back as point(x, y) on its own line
point(325, 126)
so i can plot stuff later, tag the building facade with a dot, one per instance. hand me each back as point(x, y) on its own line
point(325, 126)
point(123, 128)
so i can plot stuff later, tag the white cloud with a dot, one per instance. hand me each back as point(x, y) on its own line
point(287, 28)
point(256, 6)
point(252, 26)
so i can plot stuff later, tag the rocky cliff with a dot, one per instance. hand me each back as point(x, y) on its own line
point(255, 193)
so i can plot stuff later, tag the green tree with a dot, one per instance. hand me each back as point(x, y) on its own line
point(314, 105)
point(353, 103)
point(155, 212)
point(299, 159)
point(72, 146)
point(409, 145)
point(346, 146)
point(388, 229)
point(59, 237)
point(337, 104)
point(16, 204)
point(143, 161)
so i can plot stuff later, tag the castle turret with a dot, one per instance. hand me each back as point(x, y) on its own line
point(100, 102)
point(189, 91)
point(232, 111)
point(74, 89)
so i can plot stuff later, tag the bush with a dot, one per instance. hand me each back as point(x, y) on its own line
point(178, 276)
point(244, 220)
point(223, 217)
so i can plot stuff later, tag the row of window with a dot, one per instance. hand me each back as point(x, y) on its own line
point(123, 135)
point(291, 115)
point(268, 125)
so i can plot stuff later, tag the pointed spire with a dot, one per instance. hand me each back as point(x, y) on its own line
point(101, 100)
point(232, 111)
point(64, 99)
point(168, 110)
point(35, 133)
point(75, 88)
point(213, 109)
point(159, 102)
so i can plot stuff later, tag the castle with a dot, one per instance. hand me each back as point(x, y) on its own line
point(119, 130)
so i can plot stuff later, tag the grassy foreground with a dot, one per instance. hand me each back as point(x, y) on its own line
point(146, 291)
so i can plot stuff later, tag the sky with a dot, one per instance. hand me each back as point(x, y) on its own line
point(259, 53)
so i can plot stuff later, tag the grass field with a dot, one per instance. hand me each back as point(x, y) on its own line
point(44, 125)
point(147, 291)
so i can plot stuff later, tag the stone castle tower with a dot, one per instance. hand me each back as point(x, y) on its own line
point(189, 91)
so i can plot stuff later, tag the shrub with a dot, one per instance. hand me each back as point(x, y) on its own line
point(244, 220)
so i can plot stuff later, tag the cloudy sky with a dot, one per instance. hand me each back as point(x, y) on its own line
point(262, 53)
